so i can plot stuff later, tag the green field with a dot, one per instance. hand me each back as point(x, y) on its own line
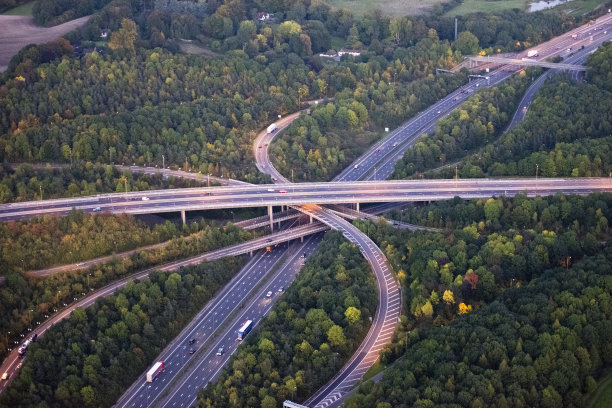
point(474, 6)
point(23, 10)
point(388, 7)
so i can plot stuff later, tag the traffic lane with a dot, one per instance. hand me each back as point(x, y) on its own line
point(210, 366)
point(209, 318)
point(360, 194)
point(176, 354)
point(222, 194)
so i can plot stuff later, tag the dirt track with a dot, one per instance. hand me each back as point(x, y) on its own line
point(18, 31)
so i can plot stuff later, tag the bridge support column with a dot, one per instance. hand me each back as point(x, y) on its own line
point(251, 254)
point(271, 218)
point(302, 239)
point(311, 219)
point(183, 217)
point(357, 206)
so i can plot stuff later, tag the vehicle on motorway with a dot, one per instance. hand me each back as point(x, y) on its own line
point(524, 109)
point(192, 351)
point(282, 191)
point(574, 36)
point(532, 53)
point(356, 166)
point(192, 341)
point(24, 348)
point(269, 294)
point(272, 128)
point(245, 329)
point(154, 371)
point(220, 351)
point(281, 289)
point(5, 376)
point(145, 198)
point(268, 249)
point(377, 150)
point(271, 190)
point(438, 113)
point(97, 209)
point(395, 144)
point(34, 337)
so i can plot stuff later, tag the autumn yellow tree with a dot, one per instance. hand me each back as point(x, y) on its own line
point(463, 308)
point(448, 297)
point(125, 37)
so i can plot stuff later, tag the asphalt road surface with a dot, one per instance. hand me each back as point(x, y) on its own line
point(179, 384)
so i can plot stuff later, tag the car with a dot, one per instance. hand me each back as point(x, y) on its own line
point(97, 209)
point(192, 341)
point(455, 98)
point(145, 198)
point(282, 191)
point(35, 337)
point(269, 294)
point(5, 376)
point(281, 289)
point(377, 150)
point(220, 351)
point(355, 166)
point(606, 32)
point(192, 351)
point(266, 144)
point(394, 144)
point(273, 178)
point(80, 264)
point(477, 85)
point(260, 147)
point(19, 365)
point(271, 190)
point(438, 112)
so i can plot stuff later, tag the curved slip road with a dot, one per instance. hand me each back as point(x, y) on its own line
point(389, 293)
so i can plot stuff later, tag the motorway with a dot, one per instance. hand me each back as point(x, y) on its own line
point(11, 362)
point(203, 198)
point(543, 187)
point(216, 326)
point(379, 162)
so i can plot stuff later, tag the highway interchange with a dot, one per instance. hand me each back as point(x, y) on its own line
point(387, 149)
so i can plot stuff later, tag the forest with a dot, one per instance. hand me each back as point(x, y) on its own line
point(488, 246)
point(24, 300)
point(89, 359)
point(310, 333)
point(28, 183)
point(565, 133)
point(542, 344)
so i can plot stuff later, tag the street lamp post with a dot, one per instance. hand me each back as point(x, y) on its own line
point(163, 162)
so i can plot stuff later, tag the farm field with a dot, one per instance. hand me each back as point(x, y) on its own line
point(19, 31)
point(388, 7)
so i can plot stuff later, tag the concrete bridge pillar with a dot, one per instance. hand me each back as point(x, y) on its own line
point(357, 206)
point(311, 219)
point(183, 217)
point(271, 218)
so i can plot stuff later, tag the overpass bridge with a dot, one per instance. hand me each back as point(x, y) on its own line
point(526, 62)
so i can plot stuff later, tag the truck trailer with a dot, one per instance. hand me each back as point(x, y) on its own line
point(272, 128)
point(532, 53)
point(155, 370)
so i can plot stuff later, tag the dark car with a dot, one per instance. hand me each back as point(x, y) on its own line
point(192, 351)
point(192, 341)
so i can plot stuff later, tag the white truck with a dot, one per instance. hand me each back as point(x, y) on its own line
point(272, 128)
point(155, 370)
point(532, 53)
